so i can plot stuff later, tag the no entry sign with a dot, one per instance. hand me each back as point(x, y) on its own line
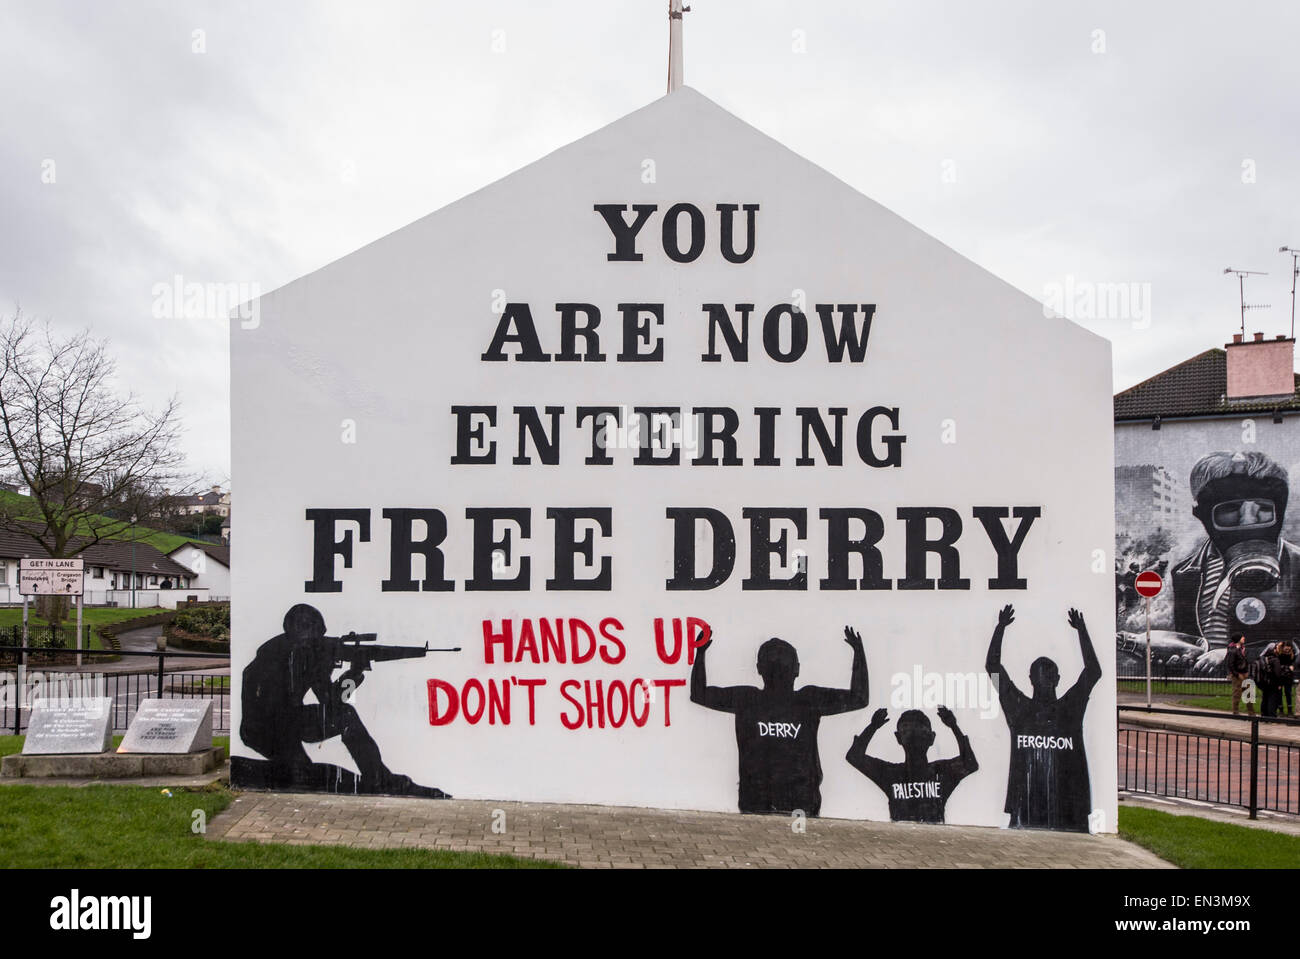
point(1149, 584)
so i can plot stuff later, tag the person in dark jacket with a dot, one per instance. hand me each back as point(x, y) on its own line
point(1270, 679)
point(1238, 672)
point(1286, 657)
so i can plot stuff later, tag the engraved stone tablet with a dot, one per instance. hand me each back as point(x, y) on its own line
point(70, 726)
point(169, 726)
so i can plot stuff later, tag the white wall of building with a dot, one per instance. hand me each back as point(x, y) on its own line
point(211, 574)
point(1000, 407)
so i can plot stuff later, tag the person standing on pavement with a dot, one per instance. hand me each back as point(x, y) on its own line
point(1270, 679)
point(1238, 672)
point(1286, 655)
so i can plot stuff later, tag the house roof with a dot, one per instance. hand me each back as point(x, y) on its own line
point(218, 551)
point(119, 555)
point(210, 498)
point(1195, 387)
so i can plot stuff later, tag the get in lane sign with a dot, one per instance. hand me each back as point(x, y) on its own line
point(43, 577)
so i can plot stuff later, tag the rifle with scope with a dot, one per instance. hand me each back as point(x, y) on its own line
point(353, 648)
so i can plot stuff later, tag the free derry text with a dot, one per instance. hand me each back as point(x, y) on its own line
point(601, 435)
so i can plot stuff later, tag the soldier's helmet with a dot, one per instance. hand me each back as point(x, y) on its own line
point(304, 620)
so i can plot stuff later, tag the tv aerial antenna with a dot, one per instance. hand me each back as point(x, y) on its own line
point(1295, 272)
point(1241, 288)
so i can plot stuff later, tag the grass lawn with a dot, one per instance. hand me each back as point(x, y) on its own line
point(1194, 843)
point(92, 616)
point(1213, 702)
point(1216, 702)
point(1175, 687)
point(193, 683)
point(133, 827)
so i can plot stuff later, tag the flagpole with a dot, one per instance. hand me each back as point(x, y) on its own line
point(675, 67)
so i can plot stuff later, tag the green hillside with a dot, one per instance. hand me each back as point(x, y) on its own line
point(162, 541)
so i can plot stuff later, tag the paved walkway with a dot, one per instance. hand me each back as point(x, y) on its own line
point(220, 775)
point(623, 837)
point(1205, 722)
point(145, 639)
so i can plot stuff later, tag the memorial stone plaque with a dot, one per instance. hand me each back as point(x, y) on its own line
point(69, 726)
point(169, 726)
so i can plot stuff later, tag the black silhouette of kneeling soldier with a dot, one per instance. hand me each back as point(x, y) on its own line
point(276, 722)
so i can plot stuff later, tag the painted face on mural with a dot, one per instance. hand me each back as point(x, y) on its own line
point(1241, 501)
point(914, 731)
point(778, 664)
point(1044, 676)
point(304, 622)
point(1243, 513)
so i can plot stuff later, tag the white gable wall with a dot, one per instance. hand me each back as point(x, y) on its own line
point(389, 339)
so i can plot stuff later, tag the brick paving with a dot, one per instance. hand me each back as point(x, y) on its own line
point(625, 837)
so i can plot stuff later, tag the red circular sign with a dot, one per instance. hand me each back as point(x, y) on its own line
point(1148, 584)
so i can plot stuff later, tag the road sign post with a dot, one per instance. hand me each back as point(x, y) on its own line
point(50, 577)
point(1148, 585)
point(1148, 599)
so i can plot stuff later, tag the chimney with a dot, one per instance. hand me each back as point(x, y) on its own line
point(1260, 368)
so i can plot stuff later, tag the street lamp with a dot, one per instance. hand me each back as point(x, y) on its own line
point(133, 560)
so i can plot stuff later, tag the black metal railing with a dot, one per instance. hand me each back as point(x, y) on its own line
point(1171, 679)
point(1211, 767)
point(34, 671)
point(45, 636)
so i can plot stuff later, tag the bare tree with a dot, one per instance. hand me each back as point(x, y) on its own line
point(91, 457)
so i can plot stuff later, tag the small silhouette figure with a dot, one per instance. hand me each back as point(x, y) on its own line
point(916, 788)
point(776, 726)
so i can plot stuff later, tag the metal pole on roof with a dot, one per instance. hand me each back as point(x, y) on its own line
point(675, 66)
point(1241, 292)
point(1295, 272)
point(133, 561)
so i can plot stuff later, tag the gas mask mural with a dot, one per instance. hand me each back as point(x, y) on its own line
point(1244, 577)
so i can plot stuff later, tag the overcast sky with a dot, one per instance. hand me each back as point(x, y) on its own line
point(1061, 146)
